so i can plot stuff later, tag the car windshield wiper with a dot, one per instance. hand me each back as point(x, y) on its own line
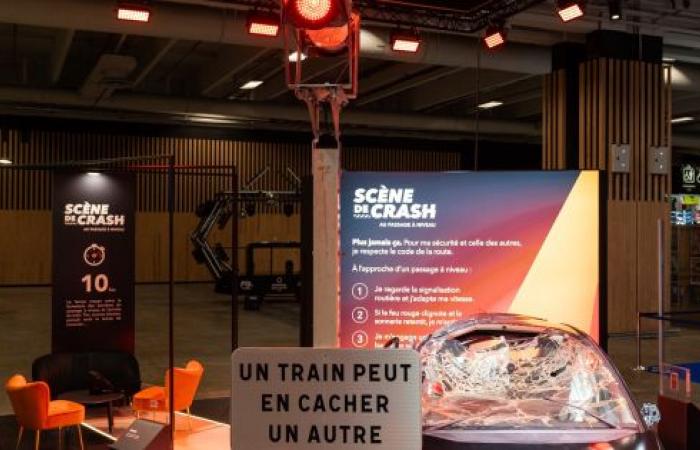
point(588, 413)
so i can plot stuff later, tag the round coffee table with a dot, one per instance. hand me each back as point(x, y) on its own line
point(85, 398)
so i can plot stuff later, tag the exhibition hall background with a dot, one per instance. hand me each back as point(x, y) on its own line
point(25, 204)
point(25, 197)
point(201, 314)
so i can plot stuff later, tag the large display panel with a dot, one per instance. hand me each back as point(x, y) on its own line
point(93, 262)
point(419, 250)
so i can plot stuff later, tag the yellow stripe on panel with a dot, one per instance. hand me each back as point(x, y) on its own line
point(556, 274)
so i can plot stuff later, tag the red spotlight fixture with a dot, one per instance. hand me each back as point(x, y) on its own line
point(263, 24)
point(312, 14)
point(133, 12)
point(494, 37)
point(319, 29)
point(569, 10)
point(404, 41)
point(329, 40)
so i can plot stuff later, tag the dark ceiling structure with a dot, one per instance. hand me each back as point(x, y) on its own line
point(432, 15)
point(191, 62)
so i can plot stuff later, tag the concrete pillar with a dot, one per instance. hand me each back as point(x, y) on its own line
point(609, 96)
point(326, 173)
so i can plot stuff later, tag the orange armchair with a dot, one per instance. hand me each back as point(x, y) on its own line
point(157, 398)
point(34, 410)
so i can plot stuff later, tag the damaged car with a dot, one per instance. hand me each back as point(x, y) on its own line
point(504, 381)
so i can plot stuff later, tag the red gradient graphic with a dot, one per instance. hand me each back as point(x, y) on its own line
point(471, 208)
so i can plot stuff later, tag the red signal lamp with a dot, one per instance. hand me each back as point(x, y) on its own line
point(494, 37)
point(406, 42)
point(313, 14)
point(569, 10)
point(263, 24)
point(329, 40)
point(133, 12)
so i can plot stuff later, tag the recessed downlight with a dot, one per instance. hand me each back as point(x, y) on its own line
point(252, 84)
point(490, 105)
point(683, 119)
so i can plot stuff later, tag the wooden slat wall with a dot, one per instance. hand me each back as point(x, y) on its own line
point(32, 189)
point(374, 159)
point(623, 102)
point(554, 121)
point(25, 196)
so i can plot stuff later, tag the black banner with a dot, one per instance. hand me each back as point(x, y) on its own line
point(93, 262)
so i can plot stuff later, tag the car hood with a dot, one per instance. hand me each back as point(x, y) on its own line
point(540, 439)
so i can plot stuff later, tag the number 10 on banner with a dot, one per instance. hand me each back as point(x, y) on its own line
point(98, 283)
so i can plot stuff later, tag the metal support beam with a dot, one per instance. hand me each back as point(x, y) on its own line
point(162, 49)
point(60, 52)
point(239, 111)
point(494, 86)
point(229, 64)
point(315, 69)
point(120, 43)
point(458, 86)
point(412, 83)
point(525, 106)
point(389, 75)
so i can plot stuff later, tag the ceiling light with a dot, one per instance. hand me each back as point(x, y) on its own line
point(133, 12)
point(212, 121)
point(668, 60)
point(252, 84)
point(569, 10)
point(263, 24)
point(5, 162)
point(490, 105)
point(494, 37)
point(684, 119)
point(404, 41)
point(94, 174)
point(294, 57)
point(615, 9)
point(211, 118)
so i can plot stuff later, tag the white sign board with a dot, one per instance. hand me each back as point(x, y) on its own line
point(322, 399)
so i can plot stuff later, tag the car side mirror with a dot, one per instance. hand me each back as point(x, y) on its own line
point(650, 414)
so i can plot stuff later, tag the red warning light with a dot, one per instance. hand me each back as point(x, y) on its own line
point(312, 14)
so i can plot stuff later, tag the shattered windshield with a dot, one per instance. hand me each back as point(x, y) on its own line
point(504, 379)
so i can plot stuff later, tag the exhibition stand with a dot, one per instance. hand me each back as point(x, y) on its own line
point(422, 252)
point(419, 251)
point(92, 363)
point(468, 280)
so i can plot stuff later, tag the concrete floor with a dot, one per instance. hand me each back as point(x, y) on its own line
point(681, 346)
point(202, 321)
